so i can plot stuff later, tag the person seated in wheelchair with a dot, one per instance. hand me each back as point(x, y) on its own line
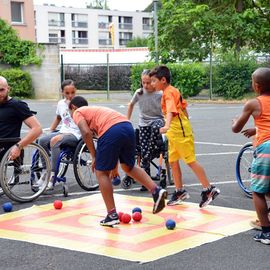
point(13, 113)
point(151, 120)
point(68, 134)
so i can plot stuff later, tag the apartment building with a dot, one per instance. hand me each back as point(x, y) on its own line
point(75, 28)
point(20, 15)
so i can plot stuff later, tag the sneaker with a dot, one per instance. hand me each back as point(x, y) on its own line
point(178, 197)
point(38, 183)
point(159, 199)
point(50, 186)
point(110, 220)
point(263, 238)
point(255, 224)
point(209, 195)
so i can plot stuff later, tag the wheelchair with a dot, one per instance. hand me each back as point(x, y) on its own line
point(163, 174)
point(79, 157)
point(18, 176)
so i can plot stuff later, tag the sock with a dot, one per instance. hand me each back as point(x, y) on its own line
point(112, 211)
point(207, 188)
point(179, 189)
point(266, 229)
point(155, 190)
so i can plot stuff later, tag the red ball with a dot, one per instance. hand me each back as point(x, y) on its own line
point(126, 218)
point(137, 216)
point(57, 204)
point(120, 214)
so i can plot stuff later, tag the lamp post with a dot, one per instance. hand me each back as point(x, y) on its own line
point(155, 2)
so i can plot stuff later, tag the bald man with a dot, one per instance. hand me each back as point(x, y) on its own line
point(259, 109)
point(12, 114)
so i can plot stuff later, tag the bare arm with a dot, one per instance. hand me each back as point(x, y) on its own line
point(169, 117)
point(34, 132)
point(130, 110)
point(55, 122)
point(87, 136)
point(252, 107)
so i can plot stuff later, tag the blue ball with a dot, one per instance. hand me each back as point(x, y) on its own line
point(116, 181)
point(170, 224)
point(7, 207)
point(136, 209)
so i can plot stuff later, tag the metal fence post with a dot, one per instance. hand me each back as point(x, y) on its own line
point(108, 77)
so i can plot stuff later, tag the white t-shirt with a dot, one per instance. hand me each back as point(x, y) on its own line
point(68, 125)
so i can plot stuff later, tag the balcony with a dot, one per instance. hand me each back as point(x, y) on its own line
point(82, 41)
point(77, 24)
point(103, 25)
point(125, 26)
point(56, 23)
point(58, 40)
point(147, 27)
point(105, 42)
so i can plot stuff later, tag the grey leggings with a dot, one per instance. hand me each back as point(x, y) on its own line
point(55, 150)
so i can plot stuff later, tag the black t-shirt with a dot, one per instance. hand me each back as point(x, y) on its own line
point(12, 114)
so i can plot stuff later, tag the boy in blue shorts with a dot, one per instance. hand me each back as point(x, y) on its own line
point(259, 109)
point(116, 141)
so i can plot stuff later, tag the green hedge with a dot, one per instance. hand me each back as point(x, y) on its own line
point(20, 82)
point(232, 79)
point(189, 78)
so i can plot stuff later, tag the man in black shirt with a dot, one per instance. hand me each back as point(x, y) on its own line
point(12, 114)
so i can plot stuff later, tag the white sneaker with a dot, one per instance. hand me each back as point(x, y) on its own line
point(38, 183)
point(50, 186)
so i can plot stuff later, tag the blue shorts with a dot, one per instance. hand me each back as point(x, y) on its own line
point(117, 143)
point(260, 169)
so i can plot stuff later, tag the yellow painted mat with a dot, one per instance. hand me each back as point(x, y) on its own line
point(76, 227)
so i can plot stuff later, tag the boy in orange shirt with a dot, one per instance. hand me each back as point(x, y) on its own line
point(259, 109)
point(116, 141)
point(180, 136)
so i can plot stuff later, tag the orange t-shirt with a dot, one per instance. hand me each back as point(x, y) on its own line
point(262, 122)
point(99, 119)
point(172, 101)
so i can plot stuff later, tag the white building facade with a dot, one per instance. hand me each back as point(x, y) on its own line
point(81, 28)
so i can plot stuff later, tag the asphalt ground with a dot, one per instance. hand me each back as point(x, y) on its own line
point(216, 148)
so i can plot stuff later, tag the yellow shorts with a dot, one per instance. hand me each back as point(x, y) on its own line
point(182, 149)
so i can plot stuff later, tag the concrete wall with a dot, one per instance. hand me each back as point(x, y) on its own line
point(47, 78)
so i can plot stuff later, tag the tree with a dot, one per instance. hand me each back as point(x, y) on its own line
point(13, 50)
point(137, 42)
point(98, 4)
point(187, 28)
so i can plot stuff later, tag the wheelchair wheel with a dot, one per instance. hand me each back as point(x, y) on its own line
point(126, 182)
point(18, 176)
point(82, 162)
point(243, 168)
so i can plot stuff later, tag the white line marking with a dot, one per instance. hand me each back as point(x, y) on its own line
point(220, 144)
point(217, 154)
point(138, 188)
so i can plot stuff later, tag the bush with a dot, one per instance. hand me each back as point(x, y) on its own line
point(232, 79)
point(20, 82)
point(188, 78)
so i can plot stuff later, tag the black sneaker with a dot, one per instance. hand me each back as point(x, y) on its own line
point(178, 197)
point(110, 220)
point(159, 200)
point(209, 195)
point(263, 238)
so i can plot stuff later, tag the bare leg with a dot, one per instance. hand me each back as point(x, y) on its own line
point(261, 208)
point(106, 189)
point(177, 174)
point(200, 173)
point(140, 176)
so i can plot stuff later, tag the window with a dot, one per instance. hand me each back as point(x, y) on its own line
point(17, 12)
